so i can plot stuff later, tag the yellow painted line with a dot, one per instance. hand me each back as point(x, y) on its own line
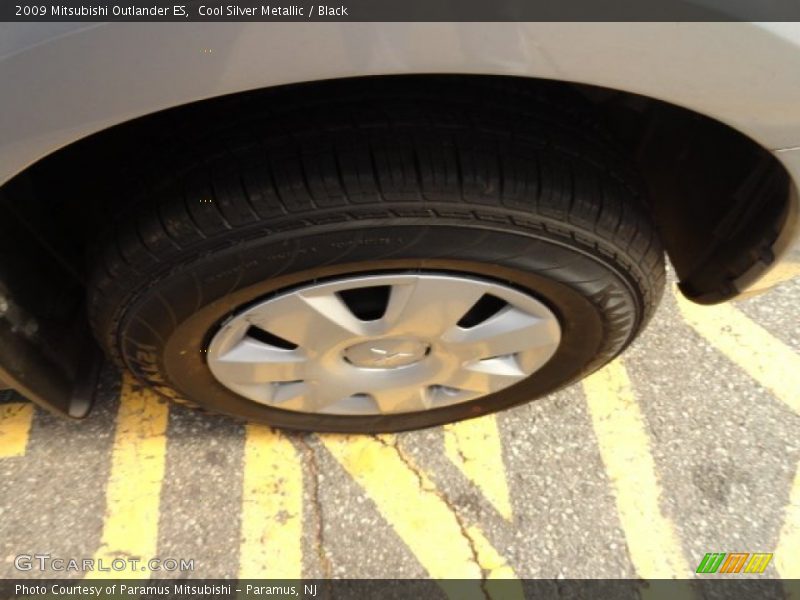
point(408, 499)
point(474, 447)
point(762, 356)
point(489, 559)
point(272, 507)
point(787, 550)
point(625, 449)
point(133, 491)
point(15, 426)
point(775, 366)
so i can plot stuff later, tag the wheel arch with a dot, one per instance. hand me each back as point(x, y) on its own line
point(677, 117)
point(722, 202)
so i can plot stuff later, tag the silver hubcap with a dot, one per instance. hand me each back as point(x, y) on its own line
point(383, 344)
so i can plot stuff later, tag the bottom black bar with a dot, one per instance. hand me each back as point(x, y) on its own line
point(390, 589)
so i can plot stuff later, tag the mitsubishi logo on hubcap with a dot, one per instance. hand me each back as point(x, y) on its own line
point(386, 354)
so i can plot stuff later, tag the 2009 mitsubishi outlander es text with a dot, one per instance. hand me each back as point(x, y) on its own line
point(368, 227)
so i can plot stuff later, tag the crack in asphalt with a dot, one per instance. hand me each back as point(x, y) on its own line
point(458, 449)
point(394, 445)
point(319, 531)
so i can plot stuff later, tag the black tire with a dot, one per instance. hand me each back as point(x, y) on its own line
point(512, 189)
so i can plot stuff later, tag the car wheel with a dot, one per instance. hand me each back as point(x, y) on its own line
point(442, 262)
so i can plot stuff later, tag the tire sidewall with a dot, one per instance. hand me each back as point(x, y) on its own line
point(165, 329)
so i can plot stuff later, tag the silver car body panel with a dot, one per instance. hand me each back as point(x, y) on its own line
point(64, 81)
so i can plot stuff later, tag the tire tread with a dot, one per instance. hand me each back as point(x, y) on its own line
point(522, 163)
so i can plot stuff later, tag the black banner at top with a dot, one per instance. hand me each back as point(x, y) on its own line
point(399, 10)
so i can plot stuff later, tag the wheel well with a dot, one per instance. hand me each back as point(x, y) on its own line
point(717, 197)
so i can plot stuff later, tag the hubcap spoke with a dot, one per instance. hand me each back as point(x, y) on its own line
point(488, 376)
point(328, 393)
point(509, 331)
point(292, 395)
point(310, 319)
point(253, 362)
point(427, 306)
point(408, 398)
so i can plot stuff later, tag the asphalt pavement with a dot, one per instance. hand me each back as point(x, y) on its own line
point(688, 445)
